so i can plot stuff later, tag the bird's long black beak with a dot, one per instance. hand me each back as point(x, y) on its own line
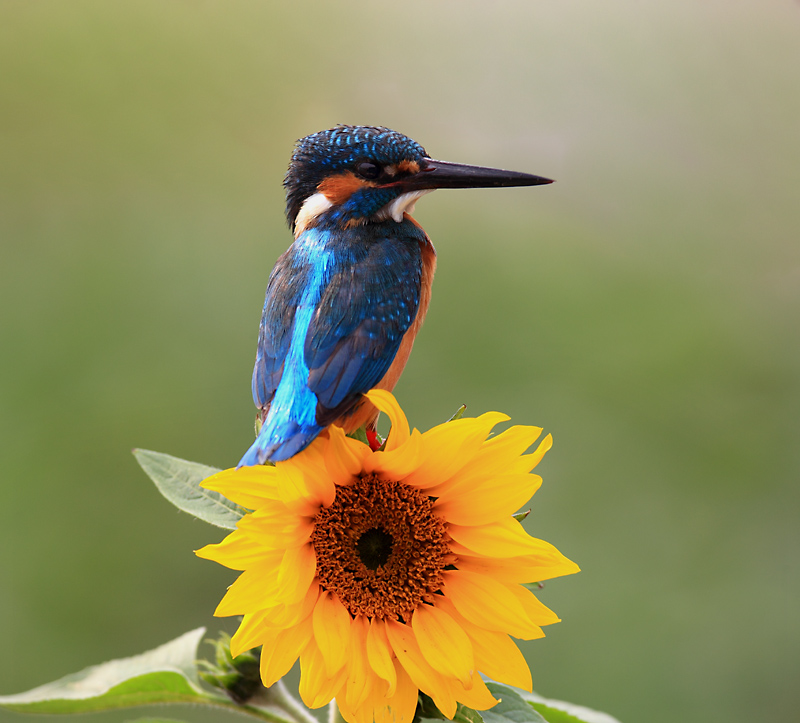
point(443, 174)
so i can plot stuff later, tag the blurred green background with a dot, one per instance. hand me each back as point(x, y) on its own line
point(645, 309)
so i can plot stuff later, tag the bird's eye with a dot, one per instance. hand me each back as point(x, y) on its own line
point(368, 169)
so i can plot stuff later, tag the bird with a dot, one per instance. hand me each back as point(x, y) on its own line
point(344, 303)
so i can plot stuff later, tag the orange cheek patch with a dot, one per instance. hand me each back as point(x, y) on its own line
point(338, 189)
point(408, 167)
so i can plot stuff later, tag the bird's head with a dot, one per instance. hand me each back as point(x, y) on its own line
point(350, 175)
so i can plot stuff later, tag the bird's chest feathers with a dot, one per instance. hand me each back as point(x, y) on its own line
point(360, 263)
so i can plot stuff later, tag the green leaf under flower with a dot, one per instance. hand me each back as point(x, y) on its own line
point(511, 708)
point(467, 715)
point(166, 674)
point(179, 481)
point(515, 706)
point(559, 711)
point(553, 715)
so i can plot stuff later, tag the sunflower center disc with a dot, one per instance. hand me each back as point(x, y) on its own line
point(380, 548)
point(374, 547)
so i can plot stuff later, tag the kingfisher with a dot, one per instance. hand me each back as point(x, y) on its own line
point(346, 300)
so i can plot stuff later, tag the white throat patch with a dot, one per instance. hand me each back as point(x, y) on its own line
point(402, 204)
point(313, 206)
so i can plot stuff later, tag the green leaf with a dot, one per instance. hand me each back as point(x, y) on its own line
point(179, 481)
point(513, 707)
point(519, 516)
point(467, 715)
point(166, 674)
point(554, 715)
point(155, 720)
point(427, 710)
point(559, 711)
point(510, 708)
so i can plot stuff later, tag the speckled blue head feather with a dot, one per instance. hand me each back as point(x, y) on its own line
point(337, 150)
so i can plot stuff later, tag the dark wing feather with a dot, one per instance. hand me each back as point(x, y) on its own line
point(285, 287)
point(363, 313)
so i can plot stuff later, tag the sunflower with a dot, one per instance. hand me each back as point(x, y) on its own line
point(390, 572)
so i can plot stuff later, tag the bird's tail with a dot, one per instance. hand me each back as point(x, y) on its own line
point(279, 440)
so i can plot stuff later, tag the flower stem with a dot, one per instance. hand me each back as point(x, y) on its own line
point(283, 698)
point(334, 714)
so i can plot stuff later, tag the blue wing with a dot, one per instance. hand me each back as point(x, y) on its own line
point(337, 307)
point(284, 291)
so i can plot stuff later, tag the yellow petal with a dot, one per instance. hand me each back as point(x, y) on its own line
point(529, 568)
point(527, 462)
point(541, 450)
point(537, 612)
point(278, 658)
point(332, 632)
point(344, 456)
point(405, 647)
point(386, 403)
point(252, 591)
point(251, 487)
point(511, 443)
point(539, 571)
point(287, 615)
point(359, 675)
point(488, 604)
point(379, 654)
point(505, 538)
point(451, 446)
point(303, 488)
point(396, 464)
point(401, 706)
point(253, 630)
point(311, 467)
point(496, 654)
point(236, 552)
point(477, 696)
point(497, 456)
point(490, 500)
point(276, 528)
point(296, 572)
point(443, 643)
point(362, 714)
point(317, 686)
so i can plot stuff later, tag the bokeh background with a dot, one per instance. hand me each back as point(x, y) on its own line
point(645, 309)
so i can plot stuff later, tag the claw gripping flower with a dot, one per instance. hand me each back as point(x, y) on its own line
point(392, 571)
